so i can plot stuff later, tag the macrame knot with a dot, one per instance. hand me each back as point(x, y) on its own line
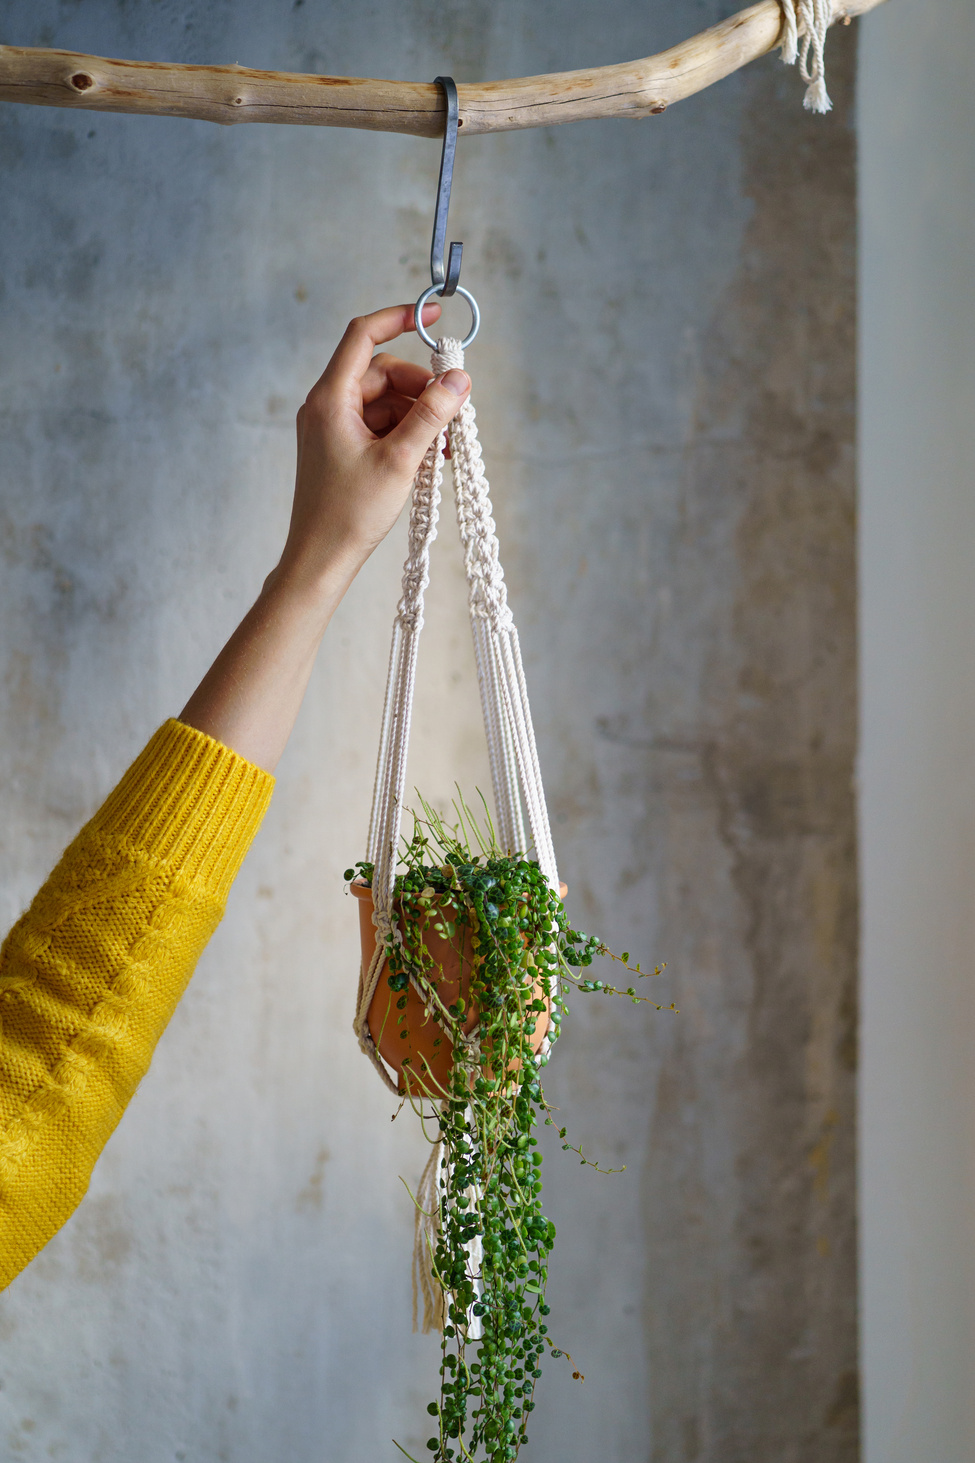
point(409, 619)
point(382, 918)
point(415, 580)
point(448, 356)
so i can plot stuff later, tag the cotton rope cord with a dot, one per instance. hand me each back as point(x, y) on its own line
point(811, 18)
point(426, 1235)
point(387, 803)
point(426, 1231)
point(516, 778)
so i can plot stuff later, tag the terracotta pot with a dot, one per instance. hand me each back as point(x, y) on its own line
point(419, 1042)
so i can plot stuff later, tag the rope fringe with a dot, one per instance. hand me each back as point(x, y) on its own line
point(810, 19)
point(426, 1235)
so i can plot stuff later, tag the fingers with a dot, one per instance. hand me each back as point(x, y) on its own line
point(354, 352)
point(379, 416)
point(389, 373)
point(429, 414)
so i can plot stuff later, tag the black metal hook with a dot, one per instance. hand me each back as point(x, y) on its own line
point(446, 278)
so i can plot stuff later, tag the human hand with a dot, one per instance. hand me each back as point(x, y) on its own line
point(362, 433)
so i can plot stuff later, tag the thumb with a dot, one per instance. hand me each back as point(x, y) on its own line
point(429, 414)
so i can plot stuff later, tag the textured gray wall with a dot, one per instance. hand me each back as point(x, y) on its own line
point(665, 390)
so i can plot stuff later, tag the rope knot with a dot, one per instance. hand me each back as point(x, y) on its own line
point(812, 19)
point(448, 356)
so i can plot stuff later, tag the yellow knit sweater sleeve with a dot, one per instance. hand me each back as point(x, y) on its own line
point(91, 974)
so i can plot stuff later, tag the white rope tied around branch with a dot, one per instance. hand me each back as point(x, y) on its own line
point(519, 797)
point(811, 19)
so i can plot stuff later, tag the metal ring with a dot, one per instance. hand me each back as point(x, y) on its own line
point(435, 290)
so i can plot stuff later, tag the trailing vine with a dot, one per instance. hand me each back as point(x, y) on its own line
point(493, 1239)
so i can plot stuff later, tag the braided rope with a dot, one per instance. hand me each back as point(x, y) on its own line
point(390, 785)
point(519, 797)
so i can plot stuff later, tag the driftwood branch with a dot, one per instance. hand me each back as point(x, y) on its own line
point(230, 94)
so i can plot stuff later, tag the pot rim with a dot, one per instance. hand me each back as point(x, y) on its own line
point(361, 890)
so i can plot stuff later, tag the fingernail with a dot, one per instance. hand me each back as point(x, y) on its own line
point(456, 381)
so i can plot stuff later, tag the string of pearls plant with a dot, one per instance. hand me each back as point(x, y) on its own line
point(493, 1240)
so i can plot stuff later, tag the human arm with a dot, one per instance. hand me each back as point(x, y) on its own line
point(92, 972)
point(362, 433)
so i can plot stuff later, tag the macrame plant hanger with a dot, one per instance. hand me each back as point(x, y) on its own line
point(522, 822)
point(519, 798)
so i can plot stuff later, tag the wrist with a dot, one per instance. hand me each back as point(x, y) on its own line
point(314, 582)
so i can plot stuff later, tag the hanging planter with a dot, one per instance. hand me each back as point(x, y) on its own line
point(467, 959)
point(445, 928)
point(471, 995)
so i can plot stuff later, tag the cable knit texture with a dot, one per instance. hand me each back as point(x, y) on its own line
point(91, 974)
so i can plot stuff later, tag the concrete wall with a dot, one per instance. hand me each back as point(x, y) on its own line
point(917, 765)
point(665, 390)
